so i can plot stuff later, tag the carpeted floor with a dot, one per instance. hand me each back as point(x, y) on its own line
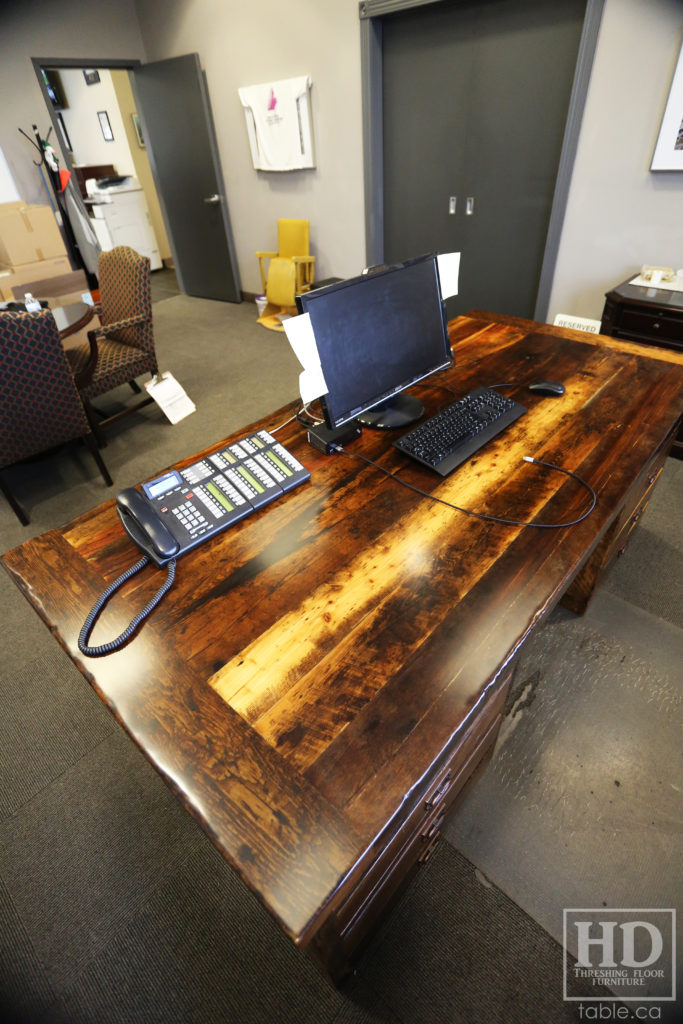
point(115, 907)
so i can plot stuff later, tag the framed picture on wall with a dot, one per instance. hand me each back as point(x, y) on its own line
point(91, 76)
point(105, 126)
point(668, 154)
point(138, 130)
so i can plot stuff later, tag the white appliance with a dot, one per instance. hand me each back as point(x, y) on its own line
point(121, 217)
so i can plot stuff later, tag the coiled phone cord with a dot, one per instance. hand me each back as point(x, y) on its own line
point(130, 629)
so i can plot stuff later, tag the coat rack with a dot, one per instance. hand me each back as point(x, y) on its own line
point(56, 183)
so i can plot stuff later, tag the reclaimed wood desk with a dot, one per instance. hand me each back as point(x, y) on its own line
point(323, 677)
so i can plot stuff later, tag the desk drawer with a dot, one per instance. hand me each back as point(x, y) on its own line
point(371, 901)
point(421, 825)
point(631, 514)
point(613, 544)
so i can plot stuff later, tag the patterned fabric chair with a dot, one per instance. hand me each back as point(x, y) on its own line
point(40, 407)
point(122, 348)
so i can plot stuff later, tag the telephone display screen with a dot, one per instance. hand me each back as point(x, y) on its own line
point(162, 484)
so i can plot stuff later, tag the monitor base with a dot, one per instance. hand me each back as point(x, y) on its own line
point(396, 412)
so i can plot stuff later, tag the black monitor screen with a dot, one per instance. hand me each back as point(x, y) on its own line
point(377, 334)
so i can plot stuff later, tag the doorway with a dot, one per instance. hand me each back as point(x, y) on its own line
point(98, 129)
point(190, 197)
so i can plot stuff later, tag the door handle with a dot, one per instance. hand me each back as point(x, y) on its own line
point(213, 200)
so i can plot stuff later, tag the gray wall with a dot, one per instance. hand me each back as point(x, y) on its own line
point(38, 28)
point(243, 44)
point(619, 214)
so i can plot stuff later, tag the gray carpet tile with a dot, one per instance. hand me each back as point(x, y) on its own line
point(50, 720)
point(25, 991)
point(50, 715)
point(580, 804)
point(84, 853)
point(202, 949)
point(650, 572)
point(456, 950)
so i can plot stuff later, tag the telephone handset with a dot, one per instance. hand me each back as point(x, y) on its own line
point(181, 509)
point(145, 527)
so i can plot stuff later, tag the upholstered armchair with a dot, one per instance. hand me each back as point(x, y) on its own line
point(122, 348)
point(40, 407)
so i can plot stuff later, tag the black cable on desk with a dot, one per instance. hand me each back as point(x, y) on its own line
point(482, 515)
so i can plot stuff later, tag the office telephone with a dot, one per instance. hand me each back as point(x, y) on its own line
point(181, 509)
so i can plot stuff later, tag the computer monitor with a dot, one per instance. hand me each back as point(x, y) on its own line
point(376, 335)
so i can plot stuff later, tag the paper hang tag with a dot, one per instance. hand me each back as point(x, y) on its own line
point(170, 396)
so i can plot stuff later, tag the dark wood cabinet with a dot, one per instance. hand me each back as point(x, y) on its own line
point(650, 316)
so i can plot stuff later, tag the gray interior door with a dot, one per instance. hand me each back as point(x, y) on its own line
point(475, 102)
point(173, 104)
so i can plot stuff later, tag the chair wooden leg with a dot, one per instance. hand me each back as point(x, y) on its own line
point(135, 386)
point(91, 413)
point(16, 507)
point(90, 442)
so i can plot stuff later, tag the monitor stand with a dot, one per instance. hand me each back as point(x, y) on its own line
point(398, 411)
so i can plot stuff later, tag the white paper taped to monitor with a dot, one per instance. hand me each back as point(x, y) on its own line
point(299, 331)
point(449, 268)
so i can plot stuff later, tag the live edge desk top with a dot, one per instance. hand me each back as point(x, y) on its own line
point(317, 665)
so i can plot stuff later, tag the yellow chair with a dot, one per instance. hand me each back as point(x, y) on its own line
point(289, 272)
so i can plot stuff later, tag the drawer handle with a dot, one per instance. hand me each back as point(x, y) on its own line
point(439, 792)
point(435, 826)
point(656, 325)
point(424, 857)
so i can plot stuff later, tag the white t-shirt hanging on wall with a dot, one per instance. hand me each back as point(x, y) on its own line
point(279, 124)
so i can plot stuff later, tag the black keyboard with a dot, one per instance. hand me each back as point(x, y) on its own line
point(457, 432)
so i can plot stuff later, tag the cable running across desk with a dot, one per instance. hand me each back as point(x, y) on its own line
point(483, 515)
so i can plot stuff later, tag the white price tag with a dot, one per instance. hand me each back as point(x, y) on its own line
point(170, 396)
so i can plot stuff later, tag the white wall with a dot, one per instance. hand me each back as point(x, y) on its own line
point(621, 215)
point(243, 44)
point(80, 118)
point(8, 190)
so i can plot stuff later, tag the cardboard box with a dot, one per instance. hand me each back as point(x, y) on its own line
point(17, 277)
point(28, 234)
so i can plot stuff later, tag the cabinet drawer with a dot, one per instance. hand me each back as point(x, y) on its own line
point(658, 328)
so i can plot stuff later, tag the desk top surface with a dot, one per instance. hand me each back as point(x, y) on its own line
point(310, 664)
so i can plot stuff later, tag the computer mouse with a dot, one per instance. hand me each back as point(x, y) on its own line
point(547, 387)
